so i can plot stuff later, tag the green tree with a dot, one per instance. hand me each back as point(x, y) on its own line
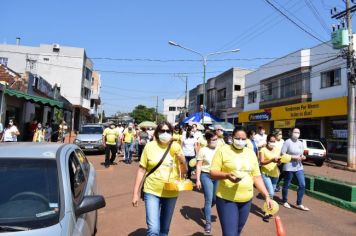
point(143, 113)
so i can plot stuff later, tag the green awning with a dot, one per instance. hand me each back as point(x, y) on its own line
point(33, 98)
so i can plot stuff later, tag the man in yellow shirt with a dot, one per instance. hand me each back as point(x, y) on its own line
point(110, 137)
point(129, 138)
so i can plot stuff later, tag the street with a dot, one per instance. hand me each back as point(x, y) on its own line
point(120, 218)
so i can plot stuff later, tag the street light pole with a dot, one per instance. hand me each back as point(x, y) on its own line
point(205, 63)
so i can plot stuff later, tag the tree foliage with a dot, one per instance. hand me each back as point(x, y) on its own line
point(143, 113)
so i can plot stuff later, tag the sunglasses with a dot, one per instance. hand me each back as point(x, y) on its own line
point(215, 139)
point(164, 131)
point(240, 138)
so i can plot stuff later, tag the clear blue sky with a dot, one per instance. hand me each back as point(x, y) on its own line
point(141, 29)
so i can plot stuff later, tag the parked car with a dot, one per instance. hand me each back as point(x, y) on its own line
point(90, 138)
point(314, 151)
point(47, 189)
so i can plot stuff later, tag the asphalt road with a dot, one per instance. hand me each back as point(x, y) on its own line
point(120, 218)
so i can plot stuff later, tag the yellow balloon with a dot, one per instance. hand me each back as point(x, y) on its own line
point(274, 210)
point(286, 158)
point(193, 162)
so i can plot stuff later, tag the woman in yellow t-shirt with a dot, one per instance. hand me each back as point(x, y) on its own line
point(204, 158)
point(237, 168)
point(270, 157)
point(159, 202)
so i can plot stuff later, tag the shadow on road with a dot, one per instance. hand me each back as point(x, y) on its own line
point(138, 232)
point(195, 214)
point(256, 210)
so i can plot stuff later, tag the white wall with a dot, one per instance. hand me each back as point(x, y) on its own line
point(65, 67)
point(281, 65)
point(171, 115)
point(319, 55)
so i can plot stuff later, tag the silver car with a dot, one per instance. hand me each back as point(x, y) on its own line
point(90, 138)
point(47, 189)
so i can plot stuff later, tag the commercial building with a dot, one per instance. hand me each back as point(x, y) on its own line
point(305, 89)
point(225, 95)
point(29, 97)
point(173, 109)
point(95, 100)
point(67, 67)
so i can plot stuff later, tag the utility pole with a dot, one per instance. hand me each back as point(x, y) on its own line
point(351, 147)
point(184, 77)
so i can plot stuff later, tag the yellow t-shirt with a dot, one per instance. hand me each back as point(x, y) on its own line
point(221, 142)
point(206, 155)
point(177, 138)
point(129, 136)
point(202, 142)
point(270, 169)
point(242, 163)
point(111, 136)
point(167, 171)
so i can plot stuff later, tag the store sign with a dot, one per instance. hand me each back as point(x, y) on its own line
point(323, 108)
point(260, 116)
point(283, 124)
point(340, 133)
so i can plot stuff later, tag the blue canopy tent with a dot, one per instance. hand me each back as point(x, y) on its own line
point(198, 117)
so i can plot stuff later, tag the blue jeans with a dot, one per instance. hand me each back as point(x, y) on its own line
point(128, 151)
point(159, 212)
point(271, 183)
point(209, 188)
point(232, 215)
point(301, 185)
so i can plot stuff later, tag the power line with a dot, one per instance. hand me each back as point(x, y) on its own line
point(291, 20)
point(317, 15)
point(256, 28)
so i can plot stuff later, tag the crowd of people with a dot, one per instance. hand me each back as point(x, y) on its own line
point(226, 173)
point(35, 131)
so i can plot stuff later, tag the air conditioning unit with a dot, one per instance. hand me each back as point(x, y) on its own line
point(56, 47)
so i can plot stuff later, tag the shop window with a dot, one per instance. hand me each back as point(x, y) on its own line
point(269, 91)
point(252, 97)
point(331, 78)
point(237, 87)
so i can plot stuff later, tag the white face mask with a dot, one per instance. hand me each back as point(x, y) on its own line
point(271, 145)
point(112, 126)
point(165, 137)
point(295, 135)
point(239, 143)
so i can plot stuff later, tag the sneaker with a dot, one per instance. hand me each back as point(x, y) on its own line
point(303, 208)
point(107, 165)
point(286, 205)
point(278, 189)
point(207, 228)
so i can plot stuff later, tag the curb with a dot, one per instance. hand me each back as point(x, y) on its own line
point(329, 199)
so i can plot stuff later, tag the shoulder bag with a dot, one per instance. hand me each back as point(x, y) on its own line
point(154, 169)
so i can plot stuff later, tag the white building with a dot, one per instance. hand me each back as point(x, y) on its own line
point(67, 67)
point(172, 108)
point(305, 89)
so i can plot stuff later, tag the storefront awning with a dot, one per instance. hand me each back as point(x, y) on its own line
point(33, 98)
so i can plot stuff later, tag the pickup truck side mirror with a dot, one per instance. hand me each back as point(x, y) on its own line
point(90, 203)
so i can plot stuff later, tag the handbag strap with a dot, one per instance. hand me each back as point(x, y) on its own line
point(160, 161)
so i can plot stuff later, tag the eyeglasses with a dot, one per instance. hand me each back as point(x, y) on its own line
point(164, 131)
